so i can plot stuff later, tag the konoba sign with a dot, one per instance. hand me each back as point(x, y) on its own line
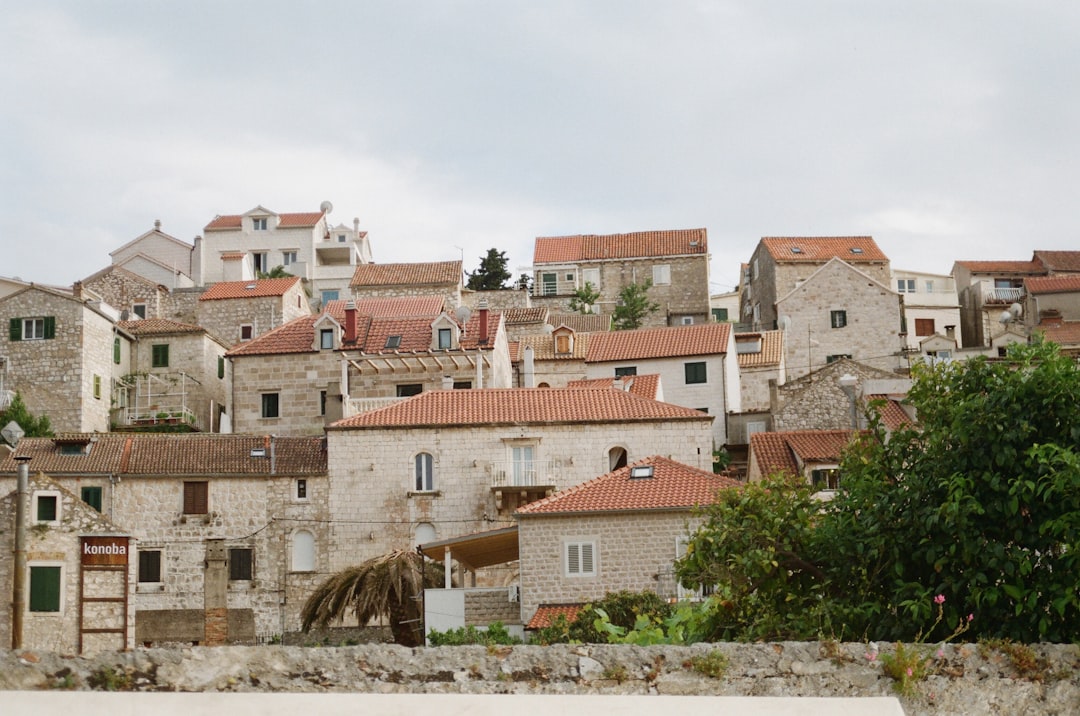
point(105, 551)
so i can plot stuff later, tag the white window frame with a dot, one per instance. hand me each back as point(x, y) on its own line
point(579, 553)
point(139, 310)
point(522, 465)
point(296, 490)
point(444, 345)
point(33, 329)
point(324, 335)
point(929, 285)
point(59, 507)
point(250, 330)
point(661, 274)
point(288, 258)
point(905, 285)
point(260, 261)
point(423, 472)
point(149, 586)
point(259, 224)
point(591, 275)
point(687, 320)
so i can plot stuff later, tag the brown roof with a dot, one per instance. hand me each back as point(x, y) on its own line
point(647, 386)
point(777, 452)
point(543, 346)
point(232, 222)
point(413, 274)
point(511, 406)
point(772, 349)
point(259, 288)
point(672, 486)
point(667, 342)
point(818, 249)
point(1033, 268)
point(1065, 334)
point(1063, 261)
point(893, 416)
point(640, 244)
point(296, 336)
point(193, 454)
point(536, 314)
point(157, 327)
point(1067, 283)
point(546, 614)
point(582, 322)
point(430, 306)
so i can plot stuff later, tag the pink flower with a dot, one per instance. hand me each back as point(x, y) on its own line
point(971, 617)
point(941, 653)
point(939, 599)
point(871, 656)
point(909, 672)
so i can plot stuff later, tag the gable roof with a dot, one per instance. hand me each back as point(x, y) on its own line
point(547, 614)
point(1033, 268)
point(772, 349)
point(258, 288)
point(411, 274)
point(581, 322)
point(892, 414)
point(514, 406)
point(233, 222)
point(1039, 285)
point(781, 452)
point(397, 306)
point(1065, 334)
point(168, 455)
point(672, 486)
point(640, 244)
point(647, 386)
point(829, 266)
point(156, 231)
point(128, 274)
point(1064, 261)
point(666, 342)
point(816, 249)
point(543, 346)
point(158, 327)
point(535, 314)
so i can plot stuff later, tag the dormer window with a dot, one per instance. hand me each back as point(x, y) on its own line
point(393, 342)
point(326, 338)
point(445, 340)
point(259, 224)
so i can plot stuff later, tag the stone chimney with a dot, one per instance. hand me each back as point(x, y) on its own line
point(76, 290)
point(483, 337)
point(350, 322)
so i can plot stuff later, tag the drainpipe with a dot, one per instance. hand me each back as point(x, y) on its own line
point(18, 583)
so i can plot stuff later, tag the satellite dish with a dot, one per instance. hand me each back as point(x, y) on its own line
point(784, 323)
point(1006, 317)
point(1016, 310)
point(326, 207)
point(462, 313)
point(12, 433)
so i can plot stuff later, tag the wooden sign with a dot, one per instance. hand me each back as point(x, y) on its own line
point(104, 551)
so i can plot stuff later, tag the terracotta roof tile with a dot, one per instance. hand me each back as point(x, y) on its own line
point(893, 416)
point(580, 322)
point(543, 346)
point(647, 386)
point(514, 348)
point(1065, 334)
point(1038, 285)
point(511, 406)
point(296, 336)
point(772, 349)
point(233, 222)
point(158, 327)
point(777, 452)
point(816, 249)
point(547, 614)
point(1033, 268)
point(232, 255)
point(1064, 261)
point(194, 454)
point(667, 342)
point(411, 274)
point(259, 288)
point(429, 306)
point(640, 244)
point(672, 486)
point(537, 314)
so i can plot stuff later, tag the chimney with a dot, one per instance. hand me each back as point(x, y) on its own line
point(76, 290)
point(447, 382)
point(350, 322)
point(950, 332)
point(157, 224)
point(483, 337)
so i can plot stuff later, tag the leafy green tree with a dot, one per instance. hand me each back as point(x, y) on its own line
point(584, 298)
point(385, 586)
point(634, 306)
point(33, 427)
point(276, 272)
point(492, 273)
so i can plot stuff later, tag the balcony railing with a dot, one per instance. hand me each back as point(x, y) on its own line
point(354, 406)
point(530, 473)
point(1003, 295)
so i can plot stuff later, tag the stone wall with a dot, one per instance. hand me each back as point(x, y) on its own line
point(966, 679)
point(490, 606)
point(817, 402)
point(297, 378)
point(223, 318)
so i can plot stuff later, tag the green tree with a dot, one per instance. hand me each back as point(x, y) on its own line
point(492, 274)
point(33, 427)
point(524, 282)
point(276, 272)
point(584, 299)
point(385, 586)
point(634, 306)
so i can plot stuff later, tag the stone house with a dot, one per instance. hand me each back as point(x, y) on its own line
point(73, 554)
point(697, 365)
point(840, 312)
point(781, 264)
point(230, 531)
point(521, 322)
point(824, 399)
point(178, 375)
point(930, 306)
point(237, 247)
point(64, 352)
point(551, 360)
point(676, 262)
point(812, 455)
point(435, 278)
point(239, 311)
point(158, 258)
point(761, 364)
point(450, 462)
point(135, 296)
point(623, 530)
point(646, 386)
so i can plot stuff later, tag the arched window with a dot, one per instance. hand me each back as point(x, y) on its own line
point(425, 532)
point(425, 472)
point(616, 458)
point(303, 551)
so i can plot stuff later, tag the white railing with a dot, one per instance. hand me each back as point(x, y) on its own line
point(529, 473)
point(1003, 295)
point(354, 406)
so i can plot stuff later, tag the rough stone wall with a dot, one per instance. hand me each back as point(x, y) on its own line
point(816, 401)
point(630, 552)
point(223, 318)
point(452, 295)
point(489, 606)
point(297, 378)
point(553, 373)
point(497, 300)
point(195, 355)
point(754, 387)
point(122, 291)
point(97, 362)
point(966, 679)
point(182, 305)
point(375, 508)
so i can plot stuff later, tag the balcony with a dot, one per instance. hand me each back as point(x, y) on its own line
point(517, 483)
point(355, 406)
point(1002, 296)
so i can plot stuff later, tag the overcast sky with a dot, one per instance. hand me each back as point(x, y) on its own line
point(946, 130)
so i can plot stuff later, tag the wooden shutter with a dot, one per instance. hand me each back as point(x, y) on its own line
point(587, 558)
point(15, 329)
point(45, 589)
point(195, 498)
point(240, 564)
point(50, 326)
point(116, 351)
point(573, 559)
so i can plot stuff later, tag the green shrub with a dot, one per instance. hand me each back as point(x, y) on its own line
point(495, 635)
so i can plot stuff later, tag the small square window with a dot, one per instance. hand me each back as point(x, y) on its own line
point(569, 277)
point(328, 296)
point(924, 326)
point(688, 320)
point(159, 355)
point(270, 407)
point(301, 489)
point(139, 309)
point(341, 238)
point(246, 332)
point(196, 498)
point(695, 373)
point(719, 314)
point(92, 496)
point(838, 319)
point(149, 565)
point(259, 224)
point(241, 566)
point(47, 509)
point(326, 338)
point(393, 342)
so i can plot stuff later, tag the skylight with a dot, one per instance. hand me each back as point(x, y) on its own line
point(796, 250)
point(393, 341)
point(856, 250)
point(641, 472)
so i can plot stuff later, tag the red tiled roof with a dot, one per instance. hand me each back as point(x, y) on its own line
point(581, 322)
point(1033, 268)
point(157, 327)
point(296, 336)
point(1067, 283)
point(547, 614)
point(1066, 334)
point(893, 416)
point(537, 314)
point(647, 386)
point(667, 342)
point(193, 454)
point(543, 346)
point(772, 349)
point(672, 486)
point(511, 406)
point(514, 348)
point(233, 222)
point(232, 255)
point(777, 452)
point(1064, 261)
point(640, 244)
point(259, 288)
point(412, 274)
point(429, 306)
point(818, 249)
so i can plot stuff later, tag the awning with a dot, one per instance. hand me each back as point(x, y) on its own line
point(478, 550)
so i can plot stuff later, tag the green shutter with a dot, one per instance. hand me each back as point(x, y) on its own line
point(15, 329)
point(116, 351)
point(92, 497)
point(45, 589)
point(50, 326)
point(221, 367)
point(46, 508)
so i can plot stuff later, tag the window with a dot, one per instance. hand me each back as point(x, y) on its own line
point(246, 331)
point(719, 315)
point(462, 384)
point(905, 285)
point(221, 367)
point(46, 507)
point(259, 224)
point(97, 387)
point(825, 479)
point(270, 405)
point(341, 238)
point(625, 371)
point(837, 356)
point(688, 320)
point(856, 250)
point(695, 373)
point(929, 286)
point(661, 274)
point(523, 468)
point(240, 564)
point(425, 477)
point(196, 498)
point(288, 258)
point(258, 258)
point(159, 355)
point(73, 449)
point(569, 277)
point(796, 250)
point(116, 351)
point(328, 296)
point(303, 551)
point(45, 588)
point(580, 560)
point(549, 283)
point(32, 329)
point(406, 389)
point(91, 496)
point(591, 276)
point(322, 402)
point(301, 489)
point(393, 342)
point(444, 339)
point(326, 338)
point(149, 565)
point(924, 326)
point(838, 319)
point(562, 343)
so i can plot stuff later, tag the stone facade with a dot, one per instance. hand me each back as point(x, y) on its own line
point(223, 318)
point(298, 380)
point(130, 292)
point(817, 402)
point(450, 293)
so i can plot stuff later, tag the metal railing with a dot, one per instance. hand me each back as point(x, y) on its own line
point(1003, 295)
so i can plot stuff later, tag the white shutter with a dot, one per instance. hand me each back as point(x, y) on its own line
point(573, 559)
point(587, 558)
